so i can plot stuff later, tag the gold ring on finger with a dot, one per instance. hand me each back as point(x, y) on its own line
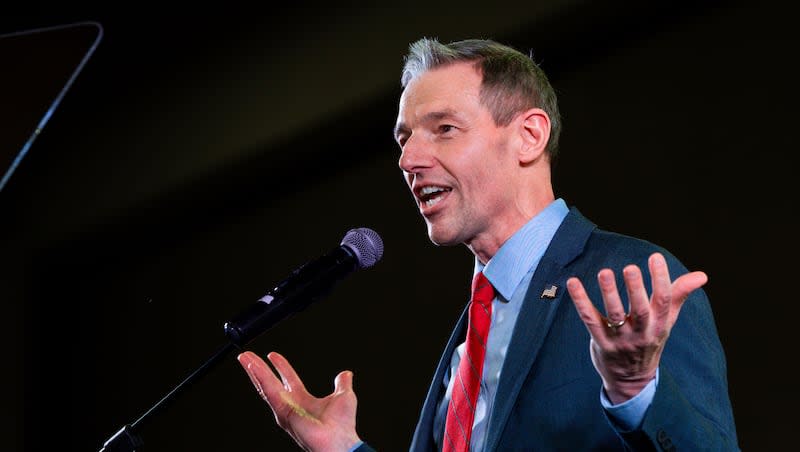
point(617, 324)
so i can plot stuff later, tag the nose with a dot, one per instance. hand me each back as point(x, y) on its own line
point(415, 155)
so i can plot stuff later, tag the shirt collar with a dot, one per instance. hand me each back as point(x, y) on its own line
point(517, 256)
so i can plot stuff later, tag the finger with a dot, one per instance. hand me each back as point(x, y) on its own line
point(615, 312)
point(291, 380)
point(637, 295)
point(262, 377)
point(588, 313)
point(662, 290)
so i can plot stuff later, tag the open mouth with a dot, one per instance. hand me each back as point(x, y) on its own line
point(431, 195)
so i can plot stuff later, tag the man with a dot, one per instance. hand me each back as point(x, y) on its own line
point(478, 125)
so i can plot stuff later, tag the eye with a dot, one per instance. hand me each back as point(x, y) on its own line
point(444, 128)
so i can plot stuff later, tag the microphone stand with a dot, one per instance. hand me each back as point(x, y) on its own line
point(127, 438)
point(360, 248)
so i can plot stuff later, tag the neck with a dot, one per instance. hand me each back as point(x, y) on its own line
point(485, 246)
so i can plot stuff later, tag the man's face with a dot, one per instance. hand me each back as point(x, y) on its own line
point(457, 162)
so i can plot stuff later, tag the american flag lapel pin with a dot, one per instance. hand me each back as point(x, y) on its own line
point(550, 292)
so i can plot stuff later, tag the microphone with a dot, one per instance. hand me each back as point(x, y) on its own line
point(360, 248)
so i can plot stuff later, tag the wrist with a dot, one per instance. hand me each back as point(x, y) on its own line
point(622, 390)
point(355, 445)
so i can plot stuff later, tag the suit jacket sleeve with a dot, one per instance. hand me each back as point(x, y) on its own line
point(691, 408)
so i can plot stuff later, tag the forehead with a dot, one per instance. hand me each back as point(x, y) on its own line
point(452, 87)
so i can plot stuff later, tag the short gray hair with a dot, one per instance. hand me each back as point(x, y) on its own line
point(512, 81)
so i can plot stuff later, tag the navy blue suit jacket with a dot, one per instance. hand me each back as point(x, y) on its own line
point(548, 397)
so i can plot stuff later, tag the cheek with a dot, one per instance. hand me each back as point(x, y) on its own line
point(484, 187)
point(483, 166)
point(493, 185)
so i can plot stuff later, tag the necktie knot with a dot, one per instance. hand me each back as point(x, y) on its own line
point(482, 290)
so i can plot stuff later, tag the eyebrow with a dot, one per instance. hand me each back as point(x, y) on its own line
point(401, 127)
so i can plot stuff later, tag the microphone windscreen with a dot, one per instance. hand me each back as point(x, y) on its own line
point(366, 244)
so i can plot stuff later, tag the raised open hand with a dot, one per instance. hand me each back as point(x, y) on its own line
point(626, 348)
point(317, 424)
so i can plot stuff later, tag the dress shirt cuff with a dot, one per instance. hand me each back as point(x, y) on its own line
point(629, 414)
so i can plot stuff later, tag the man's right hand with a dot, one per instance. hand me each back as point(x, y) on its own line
point(316, 424)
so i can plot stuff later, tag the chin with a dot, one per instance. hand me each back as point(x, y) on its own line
point(442, 237)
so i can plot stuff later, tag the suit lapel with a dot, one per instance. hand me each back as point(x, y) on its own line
point(423, 435)
point(536, 317)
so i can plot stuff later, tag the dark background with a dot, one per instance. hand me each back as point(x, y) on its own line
point(204, 153)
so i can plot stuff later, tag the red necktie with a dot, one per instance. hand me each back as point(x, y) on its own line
point(461, 410)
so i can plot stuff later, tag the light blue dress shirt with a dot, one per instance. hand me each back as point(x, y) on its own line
point(510, 271)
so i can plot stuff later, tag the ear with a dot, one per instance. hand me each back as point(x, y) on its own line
point(535, 132)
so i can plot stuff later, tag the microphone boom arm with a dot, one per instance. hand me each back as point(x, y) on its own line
point(360, 248)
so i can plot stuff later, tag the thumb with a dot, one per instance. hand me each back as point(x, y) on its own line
point(688, 283)
point(343, 382)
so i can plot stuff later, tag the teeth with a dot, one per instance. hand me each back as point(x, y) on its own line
point(429, 190)
point(433, 201)
point(433, 193)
